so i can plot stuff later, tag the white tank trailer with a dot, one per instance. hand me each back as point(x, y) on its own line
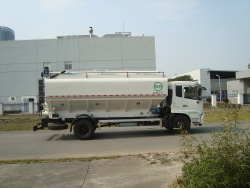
point(87, 100)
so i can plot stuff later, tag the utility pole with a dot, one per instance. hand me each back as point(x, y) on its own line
point(219, 85)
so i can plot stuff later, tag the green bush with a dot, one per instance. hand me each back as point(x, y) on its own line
point(226, 100)
point(222, 161)
point(209, 100)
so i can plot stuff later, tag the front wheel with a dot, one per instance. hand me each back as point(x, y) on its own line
point(180, 124)
point(84, 129)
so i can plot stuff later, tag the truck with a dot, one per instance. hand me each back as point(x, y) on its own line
point(88, 100)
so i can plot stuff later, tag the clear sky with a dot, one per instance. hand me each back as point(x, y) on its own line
point(189, 34)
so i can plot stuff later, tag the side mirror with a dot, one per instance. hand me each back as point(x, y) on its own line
point(199, 90)
point(46, 72)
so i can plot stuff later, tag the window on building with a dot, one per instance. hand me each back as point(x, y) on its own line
point(235, 93)
point(68, 65)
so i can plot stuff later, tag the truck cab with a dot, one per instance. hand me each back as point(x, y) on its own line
point(185, 105)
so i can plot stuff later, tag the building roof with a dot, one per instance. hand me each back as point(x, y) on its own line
point(209, 70)
point(243, 74)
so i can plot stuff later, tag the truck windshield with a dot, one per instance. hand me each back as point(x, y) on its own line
point(192, 92)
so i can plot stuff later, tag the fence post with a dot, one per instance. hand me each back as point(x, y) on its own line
point(213, 100)
point(1, 108)
point(31, 107)
point(240, 98)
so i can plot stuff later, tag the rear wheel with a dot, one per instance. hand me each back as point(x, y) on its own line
point(180, 124)
point(84, 129)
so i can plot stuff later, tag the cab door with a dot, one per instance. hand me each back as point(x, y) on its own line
point(177, 98)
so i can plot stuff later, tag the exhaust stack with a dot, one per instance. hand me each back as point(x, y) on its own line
point(90, 32)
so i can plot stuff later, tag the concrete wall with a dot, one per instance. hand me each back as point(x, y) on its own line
point(235, 86)
point(21, 62)
point(234, 89)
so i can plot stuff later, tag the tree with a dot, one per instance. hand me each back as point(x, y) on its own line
point(182, 78)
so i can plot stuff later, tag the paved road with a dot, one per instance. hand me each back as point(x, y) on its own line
point(107, 141)
point(124, 172)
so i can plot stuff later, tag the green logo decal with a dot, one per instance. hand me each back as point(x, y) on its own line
point(158, 86)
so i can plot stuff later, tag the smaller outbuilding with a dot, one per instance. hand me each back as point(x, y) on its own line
point(239, 89)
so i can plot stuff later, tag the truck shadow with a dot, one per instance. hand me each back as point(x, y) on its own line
point(128, 133)
point(150, 133)
point(131, 134)
point(117, 134)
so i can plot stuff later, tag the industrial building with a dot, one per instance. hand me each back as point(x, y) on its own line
point(215, 81)
point(22, 61)
point(240, 86)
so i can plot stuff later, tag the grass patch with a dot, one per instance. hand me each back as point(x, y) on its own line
point(26, 122)
point(156, 158)
point(32, 161)
point(153, 158)
point(216, 115)
point(18, 122)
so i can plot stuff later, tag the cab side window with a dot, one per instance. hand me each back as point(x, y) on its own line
point(178, 91)
point(191, 93)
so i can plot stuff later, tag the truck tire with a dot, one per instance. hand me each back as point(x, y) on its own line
point(166, 124)
point(180, 124)
point(84, 129)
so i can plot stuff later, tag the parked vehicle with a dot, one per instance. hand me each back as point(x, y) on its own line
point(86, 100)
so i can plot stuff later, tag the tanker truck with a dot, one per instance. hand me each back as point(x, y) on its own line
point(88, 100)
